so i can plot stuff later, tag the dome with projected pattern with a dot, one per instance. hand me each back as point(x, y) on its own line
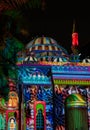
point(45, 49)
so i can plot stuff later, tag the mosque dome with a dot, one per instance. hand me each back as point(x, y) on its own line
point(75, 99)
point(45, 49)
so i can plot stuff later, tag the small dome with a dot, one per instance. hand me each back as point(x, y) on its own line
point(46, 49)
point(75, 100)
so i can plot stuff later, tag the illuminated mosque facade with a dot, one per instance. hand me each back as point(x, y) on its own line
point(54, 89)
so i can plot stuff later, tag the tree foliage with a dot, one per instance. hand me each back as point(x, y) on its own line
point(13, 24)
point(8, 68)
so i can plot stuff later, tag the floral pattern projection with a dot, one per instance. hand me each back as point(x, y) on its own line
point(61, 93)
point(34, 93)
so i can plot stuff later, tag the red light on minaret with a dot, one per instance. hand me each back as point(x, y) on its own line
point(74, 36)
point(75, 39)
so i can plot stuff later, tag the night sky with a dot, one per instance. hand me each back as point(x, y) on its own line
point(56, 21)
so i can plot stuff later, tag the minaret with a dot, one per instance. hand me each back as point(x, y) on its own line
point(74, 35)
point(75, 43)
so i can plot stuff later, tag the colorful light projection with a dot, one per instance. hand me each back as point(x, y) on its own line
point(12, 119)
point(71, 74)
point(2, 114)
point(61, 93)
point(72, 82)
point(12, 111)
point(63, 63)
point(40, 115)
point(33, 75)
point(12, 124)
point(13, 100)
point(36, 87)
point(59, 112)
point(2, 122)
point(34, 94)
point(76, 113)
point(88, 101)
point(46, 49)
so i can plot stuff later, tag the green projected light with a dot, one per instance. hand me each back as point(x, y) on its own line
point(75, 100)
point(39, 106)
point(40, 117)
point(2, 122)
point(76, 113)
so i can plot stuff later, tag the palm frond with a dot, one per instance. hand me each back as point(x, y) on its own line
point(17, 4)
point(13, 13)
point(13, 46)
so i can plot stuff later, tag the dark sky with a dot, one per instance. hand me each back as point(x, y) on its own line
point(56, 21)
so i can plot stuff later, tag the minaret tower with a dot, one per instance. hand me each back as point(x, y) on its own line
point(75, 44)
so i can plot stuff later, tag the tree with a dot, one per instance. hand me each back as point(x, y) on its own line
point(8, 59)
point(12, 25)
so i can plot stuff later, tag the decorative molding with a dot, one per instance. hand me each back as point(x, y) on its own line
point(72, 82)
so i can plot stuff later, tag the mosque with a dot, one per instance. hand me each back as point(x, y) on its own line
point(54, 89)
